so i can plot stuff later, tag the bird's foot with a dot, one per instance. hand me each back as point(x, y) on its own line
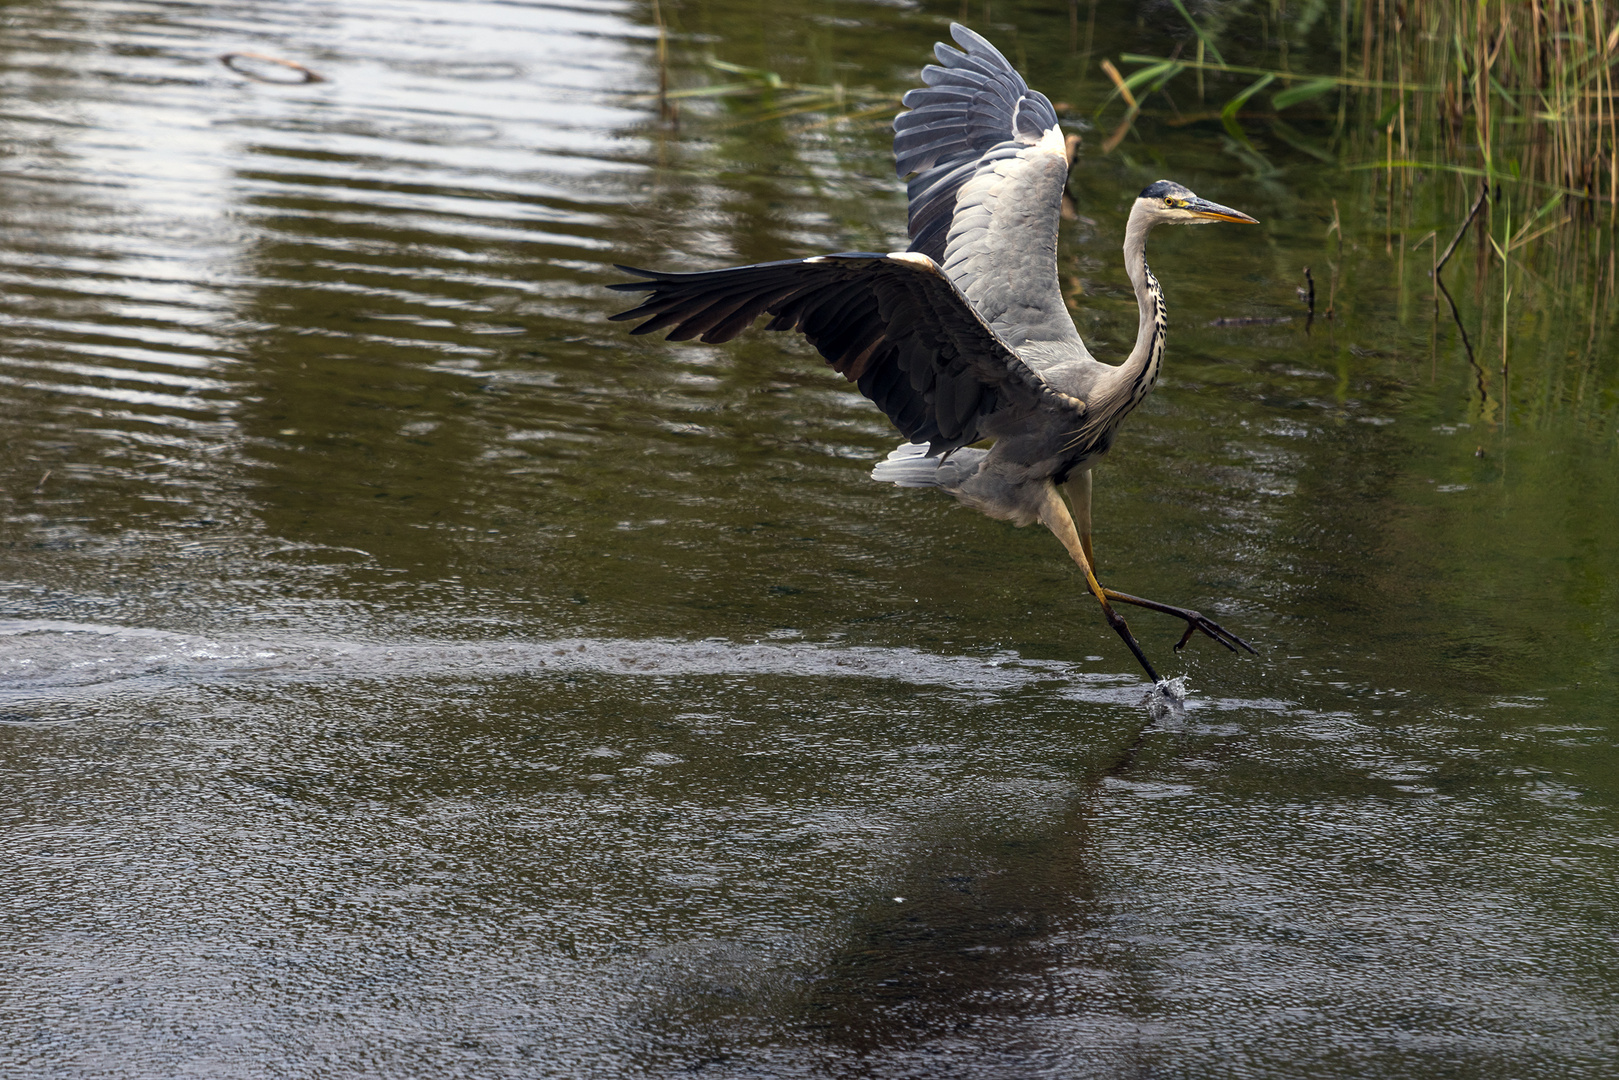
point(1196, 622)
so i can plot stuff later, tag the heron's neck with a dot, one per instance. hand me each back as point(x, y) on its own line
point(1140, 370)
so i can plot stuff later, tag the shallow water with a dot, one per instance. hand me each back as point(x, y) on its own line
point(405, 672)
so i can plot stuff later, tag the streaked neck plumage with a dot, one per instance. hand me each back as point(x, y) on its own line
point(1140, 370)
point(1118, 390)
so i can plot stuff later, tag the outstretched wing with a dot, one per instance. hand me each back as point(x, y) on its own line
point(990, 165)
point(893, 325)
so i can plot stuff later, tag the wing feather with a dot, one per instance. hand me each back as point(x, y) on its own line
point(978, 95)
point(989, 169)
point(895, 326)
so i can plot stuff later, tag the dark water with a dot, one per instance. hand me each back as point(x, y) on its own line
point(404, 672)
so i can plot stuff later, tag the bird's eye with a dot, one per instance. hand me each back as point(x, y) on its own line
point(1169, 202)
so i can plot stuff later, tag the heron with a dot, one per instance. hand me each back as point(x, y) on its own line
point(963, 339)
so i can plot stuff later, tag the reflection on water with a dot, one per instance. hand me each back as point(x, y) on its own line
point(404, 672)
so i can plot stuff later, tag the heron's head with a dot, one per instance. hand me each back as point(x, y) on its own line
point(1168, 203)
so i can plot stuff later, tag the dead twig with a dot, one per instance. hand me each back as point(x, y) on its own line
point(231, 59)
point(1270, 320)
point(1123, 129)
point(1478, 204)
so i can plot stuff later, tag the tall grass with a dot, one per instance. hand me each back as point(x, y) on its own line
point(1504, 106)
point(1516, 98)
point(1524, 88)
point(1516, 93)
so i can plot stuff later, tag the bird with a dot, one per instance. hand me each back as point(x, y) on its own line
point(963, 339)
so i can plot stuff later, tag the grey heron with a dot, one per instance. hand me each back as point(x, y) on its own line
point(964, 337)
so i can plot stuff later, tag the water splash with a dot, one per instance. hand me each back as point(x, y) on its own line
point(1167, 698)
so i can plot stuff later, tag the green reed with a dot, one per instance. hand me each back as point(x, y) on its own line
point(1515, 93)
point(1505, 107)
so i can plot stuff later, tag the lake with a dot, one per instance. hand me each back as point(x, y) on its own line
point(406, 672)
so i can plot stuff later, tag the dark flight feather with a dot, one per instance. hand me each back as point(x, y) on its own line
point(895, 327)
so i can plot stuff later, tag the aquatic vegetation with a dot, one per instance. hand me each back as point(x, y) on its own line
point(1497, 113)
point(1505, 91)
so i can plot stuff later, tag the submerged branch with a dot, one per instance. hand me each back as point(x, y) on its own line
point(1484, 394)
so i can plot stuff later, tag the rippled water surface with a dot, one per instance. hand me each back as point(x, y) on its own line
point(405, 672)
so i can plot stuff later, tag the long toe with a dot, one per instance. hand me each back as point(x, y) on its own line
point(1197, 623)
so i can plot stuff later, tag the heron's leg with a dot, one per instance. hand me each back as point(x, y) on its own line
point(1079, 493)
point(1054, 516)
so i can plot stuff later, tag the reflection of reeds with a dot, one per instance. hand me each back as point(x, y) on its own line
point(664, 110)
point(773, 98)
